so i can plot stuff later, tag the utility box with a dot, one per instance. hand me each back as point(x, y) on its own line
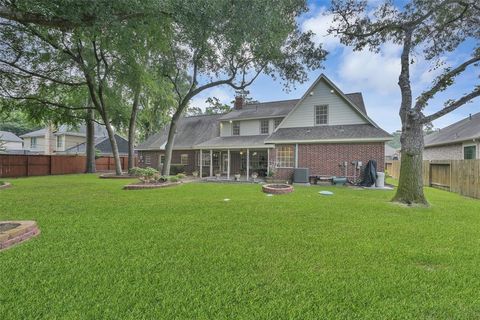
point(300, 175)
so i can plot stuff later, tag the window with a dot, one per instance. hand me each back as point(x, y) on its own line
point(469, 152)
point(33, 142)
point(148, 159)
point(59, 142)
point(205, 159)
point(236, 128)
point(162, 159)
point(321, 115)
point(276, 123)
point(286, 156)
point(184, 159)
point(264, 126)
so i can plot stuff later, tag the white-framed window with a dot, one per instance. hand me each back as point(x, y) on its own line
point(264, 126)
point(184, 159)
point(33, 142)
point(60, 142)
point(235, 128)
point(321, 115)
point(276, 123)
point(205, 159)
point(148, 159)
point(469, 152)
point(286, 156)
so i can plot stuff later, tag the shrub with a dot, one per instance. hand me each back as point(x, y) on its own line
point(163, 179)
point(181, 175)
point(195, 173)
point(176, 169)
point(174, 179)
point(146, 175)
point(135, 171)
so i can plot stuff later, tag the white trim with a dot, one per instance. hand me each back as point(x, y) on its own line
point(237, 147)
point(248, 164)
point(331, 84)
point(228, 167)
point(296, 155)
point(329, 140)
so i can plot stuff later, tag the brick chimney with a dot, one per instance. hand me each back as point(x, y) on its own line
point(239, 102)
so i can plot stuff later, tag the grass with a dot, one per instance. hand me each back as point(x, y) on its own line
point(184, 253)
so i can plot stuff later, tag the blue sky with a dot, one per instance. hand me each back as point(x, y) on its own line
point(375, 75)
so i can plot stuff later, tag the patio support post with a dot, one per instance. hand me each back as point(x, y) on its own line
point(296, 155)
point(248, 164)
point(201, 163)
point(228, 165)
point(211, 163)
point(268, 162)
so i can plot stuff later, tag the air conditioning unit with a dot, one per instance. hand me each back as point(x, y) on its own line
point(300, 175)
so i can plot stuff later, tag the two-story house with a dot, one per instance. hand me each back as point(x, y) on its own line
point(326, 131)
point(70, 140)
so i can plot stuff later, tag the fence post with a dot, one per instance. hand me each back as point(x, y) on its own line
point(27, 165)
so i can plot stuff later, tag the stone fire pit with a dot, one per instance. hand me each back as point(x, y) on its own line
point(277, 188)
point(13, 232)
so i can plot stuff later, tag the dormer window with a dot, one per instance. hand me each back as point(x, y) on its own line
point(277, 122)
point(321, 115)
point(236, 128)
point(264, 126)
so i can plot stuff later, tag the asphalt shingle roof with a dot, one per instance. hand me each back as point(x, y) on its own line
point(340, 132)
point(10, 137)
point(235, 142)
point(463, 130)
point(191, 131)
point(259, 110)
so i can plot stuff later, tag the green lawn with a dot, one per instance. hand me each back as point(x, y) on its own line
point(184, 253)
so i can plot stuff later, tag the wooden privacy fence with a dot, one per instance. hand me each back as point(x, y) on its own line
point(43, 165)
point(460, 176)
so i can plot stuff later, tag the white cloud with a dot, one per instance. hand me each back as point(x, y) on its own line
point(225, 95)
point(319, 24)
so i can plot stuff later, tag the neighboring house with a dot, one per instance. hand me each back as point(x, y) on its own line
point(322, 131)
point(11, 142)
point(458, 141)
point(391, 153)
point(69, 140)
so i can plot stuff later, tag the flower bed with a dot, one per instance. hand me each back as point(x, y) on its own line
point(13, 232)
point(140, 186)
point(115, 176)
point(4, 185)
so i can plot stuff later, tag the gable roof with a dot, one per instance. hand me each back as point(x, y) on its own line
point(463, 130)
point(102, 144)
point(191, 131)
point(81, 130)
point(332, 133)
point(36, 133)
point(349, 98)
point(9, 137)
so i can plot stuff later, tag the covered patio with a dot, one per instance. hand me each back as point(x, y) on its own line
point(231, 158)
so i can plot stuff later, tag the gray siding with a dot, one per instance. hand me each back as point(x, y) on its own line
point(448, 152)
point(247, 127)
point(339, 111)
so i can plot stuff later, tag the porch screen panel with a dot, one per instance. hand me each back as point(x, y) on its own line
point(286, 156)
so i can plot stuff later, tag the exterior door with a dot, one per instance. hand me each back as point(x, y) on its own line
point(224, 162)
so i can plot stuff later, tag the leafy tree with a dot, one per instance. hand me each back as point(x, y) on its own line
point(216, 107)
point(213, 43)
point(426, 28)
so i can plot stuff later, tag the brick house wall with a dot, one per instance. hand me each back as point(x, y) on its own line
point(325, 159)
point(450, 152)
point(176, 155)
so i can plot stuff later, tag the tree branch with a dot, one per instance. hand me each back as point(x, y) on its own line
point(452, 106)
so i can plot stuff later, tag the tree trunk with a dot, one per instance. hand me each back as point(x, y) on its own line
point(90, 144)
point(132, 129)
point(410, 185)
point(113, 143)
point(170, 141)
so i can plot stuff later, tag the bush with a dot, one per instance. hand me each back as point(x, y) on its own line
point(176, 169)
point(181, 175)
point(163, 179)
point(174, 179)
point(146, 175)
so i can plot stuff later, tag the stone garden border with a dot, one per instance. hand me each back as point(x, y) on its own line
point(5, 185)
point(25, 231)
point(114, 176)
point(141, 186)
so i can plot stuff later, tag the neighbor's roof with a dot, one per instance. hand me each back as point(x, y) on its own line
point(463, 130)
point(235, 142)
point(329, 133)
point(81, 131)
point(102, 144)
point(280, 108)
point(191, 131)
point(10, 137)
point(36, 133)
